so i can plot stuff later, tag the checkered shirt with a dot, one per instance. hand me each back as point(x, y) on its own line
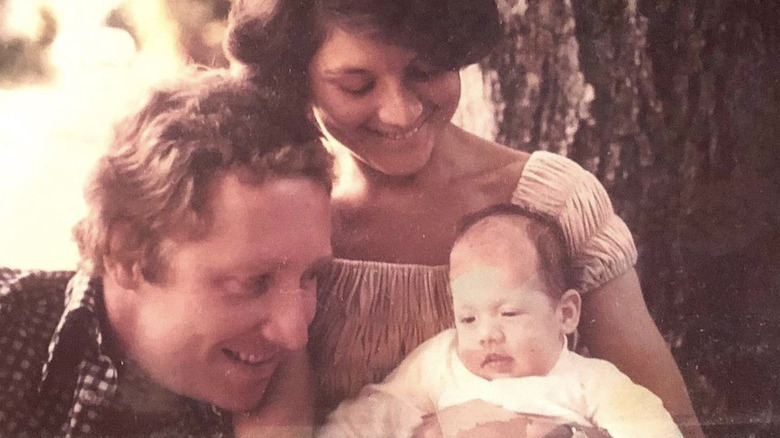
point(55, 378)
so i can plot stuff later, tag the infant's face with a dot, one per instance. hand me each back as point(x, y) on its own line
point(507, 325)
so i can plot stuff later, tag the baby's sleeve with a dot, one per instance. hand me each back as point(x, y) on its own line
point(598, 242)
point(623, 408)
point(396, 406)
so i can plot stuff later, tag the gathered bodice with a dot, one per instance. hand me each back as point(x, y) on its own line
point(371, 314)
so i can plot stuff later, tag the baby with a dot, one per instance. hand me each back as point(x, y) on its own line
point(508, 351)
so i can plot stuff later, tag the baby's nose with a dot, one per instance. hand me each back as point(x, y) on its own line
point(491, 333)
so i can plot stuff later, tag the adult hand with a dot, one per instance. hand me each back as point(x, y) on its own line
point(429, 428)
point(478, 418)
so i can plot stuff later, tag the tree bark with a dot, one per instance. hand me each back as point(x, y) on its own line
point(675, 106)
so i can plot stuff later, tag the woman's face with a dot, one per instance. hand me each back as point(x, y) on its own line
point(381, 101)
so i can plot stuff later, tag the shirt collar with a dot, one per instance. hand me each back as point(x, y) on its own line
point(80, 323)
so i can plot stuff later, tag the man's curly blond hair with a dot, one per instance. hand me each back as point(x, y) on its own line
point(155, 178)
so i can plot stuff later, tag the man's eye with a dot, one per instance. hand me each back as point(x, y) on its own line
point(259, 284)
point(237, 288)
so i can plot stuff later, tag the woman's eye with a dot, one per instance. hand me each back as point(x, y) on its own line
point(356, 88)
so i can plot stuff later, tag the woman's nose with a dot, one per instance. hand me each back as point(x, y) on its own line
point(287, 325)
point(399, 107)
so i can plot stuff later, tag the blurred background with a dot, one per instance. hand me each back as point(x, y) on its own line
point(68, 70)
point(673, 104)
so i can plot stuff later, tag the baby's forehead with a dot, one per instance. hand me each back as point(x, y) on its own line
point(498, 235)
point(473, 293)
point(498, 226)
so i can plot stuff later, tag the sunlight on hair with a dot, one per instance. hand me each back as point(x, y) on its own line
point(52, 133)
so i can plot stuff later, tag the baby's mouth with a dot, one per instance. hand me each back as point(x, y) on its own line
point(495, 359)
point(248, 358)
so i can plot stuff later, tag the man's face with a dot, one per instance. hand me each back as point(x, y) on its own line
point(236, 301)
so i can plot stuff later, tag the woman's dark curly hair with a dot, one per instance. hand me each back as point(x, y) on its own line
point(276, 39)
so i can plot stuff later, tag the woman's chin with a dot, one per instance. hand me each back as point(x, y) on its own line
point(402, 165)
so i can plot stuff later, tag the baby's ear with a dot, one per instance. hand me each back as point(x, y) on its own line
point(569, 310)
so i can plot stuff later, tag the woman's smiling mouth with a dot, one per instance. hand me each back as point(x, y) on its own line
point(401, 134)
point(396, 135)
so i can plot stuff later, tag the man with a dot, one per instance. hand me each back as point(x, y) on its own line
point(208, 223)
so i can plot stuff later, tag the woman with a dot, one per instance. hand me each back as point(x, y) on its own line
point(381, 78)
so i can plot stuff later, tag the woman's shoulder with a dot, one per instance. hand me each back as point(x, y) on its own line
point(554, 180)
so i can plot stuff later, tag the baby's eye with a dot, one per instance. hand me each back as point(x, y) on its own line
point(510, 313)
point(467, 319)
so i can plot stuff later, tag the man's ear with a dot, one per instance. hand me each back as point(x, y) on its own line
point(123, 259)
point(569, 307)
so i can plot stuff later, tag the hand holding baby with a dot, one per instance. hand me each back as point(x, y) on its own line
point(477, 418)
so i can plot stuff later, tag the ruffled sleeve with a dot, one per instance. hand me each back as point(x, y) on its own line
point(598, 241)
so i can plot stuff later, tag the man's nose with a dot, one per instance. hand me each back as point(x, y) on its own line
point(399, 107)
point(288, 319)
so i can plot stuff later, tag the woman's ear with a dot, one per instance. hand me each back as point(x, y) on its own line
point(569, 308)
point(122, 260)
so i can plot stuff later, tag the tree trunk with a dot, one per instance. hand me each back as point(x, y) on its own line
point(675, 106)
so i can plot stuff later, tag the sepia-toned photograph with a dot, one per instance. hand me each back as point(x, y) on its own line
point(390, 218)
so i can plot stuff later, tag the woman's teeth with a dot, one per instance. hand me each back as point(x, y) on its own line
point(399, 135)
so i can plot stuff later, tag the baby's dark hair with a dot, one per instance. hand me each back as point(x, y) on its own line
point(546, 236)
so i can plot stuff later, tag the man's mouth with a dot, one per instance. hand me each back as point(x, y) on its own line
point(248, 358)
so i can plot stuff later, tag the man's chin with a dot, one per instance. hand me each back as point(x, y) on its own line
point(241, 404)
point(240, 399)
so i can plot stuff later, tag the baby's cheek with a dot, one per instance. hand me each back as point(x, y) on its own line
point(471, 358)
